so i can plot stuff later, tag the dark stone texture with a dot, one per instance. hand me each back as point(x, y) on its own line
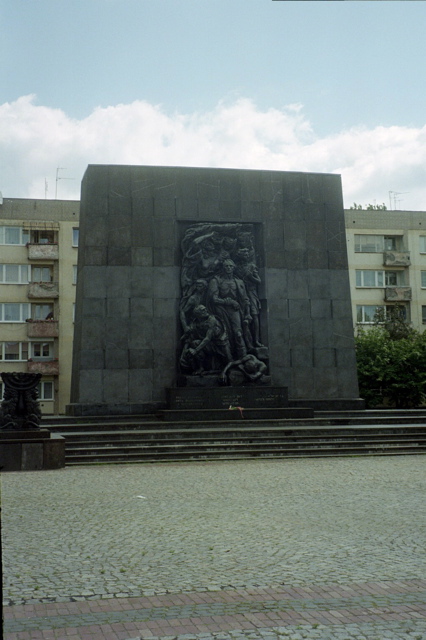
point(127, 331)
point(94, 256)
point(94, 281)
point(301, 358)
point(116, 358)
point(321, 308)
point(93, 359)
point(31, 450)
point(249, 397)
point(10, 456)
point(325, 357)
point(141, 358)
point(32, 456)
point(119, 256)
point(54, 452)
point(140, 385)
point(142, 256)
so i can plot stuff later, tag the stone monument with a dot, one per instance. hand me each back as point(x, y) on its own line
point(24, 446)
point(206, 278)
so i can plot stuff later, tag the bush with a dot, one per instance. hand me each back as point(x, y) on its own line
point(391, 369)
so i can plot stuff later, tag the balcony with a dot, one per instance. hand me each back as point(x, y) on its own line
point(396, 259)
point(45, 367)
point(397, 294)
point(43, 251)
point(42, 328)
point(43, 290)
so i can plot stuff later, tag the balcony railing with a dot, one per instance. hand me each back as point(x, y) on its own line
point(396, 259)
point(43, 290)
point(45, 367)
point(397, 294)
point(43, 251)
point(42, 328)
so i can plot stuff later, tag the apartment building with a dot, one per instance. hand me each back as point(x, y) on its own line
point(387, 264)
point(38, 271)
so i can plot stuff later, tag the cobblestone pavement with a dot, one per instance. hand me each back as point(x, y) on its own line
point(319, 549)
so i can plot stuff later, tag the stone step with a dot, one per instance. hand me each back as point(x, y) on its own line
point(210, 453)
point(235, 413)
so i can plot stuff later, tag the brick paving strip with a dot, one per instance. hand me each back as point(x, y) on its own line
point(199, 614)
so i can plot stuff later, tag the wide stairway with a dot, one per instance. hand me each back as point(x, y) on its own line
point(174, 436)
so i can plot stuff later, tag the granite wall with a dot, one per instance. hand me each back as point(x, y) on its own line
point(126, 325)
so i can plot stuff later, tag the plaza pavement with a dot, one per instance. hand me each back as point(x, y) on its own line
point(324, 549)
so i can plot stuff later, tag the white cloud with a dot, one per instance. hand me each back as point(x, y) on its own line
point(35, 140)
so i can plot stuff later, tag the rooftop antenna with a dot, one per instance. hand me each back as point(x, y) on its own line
point(58, 177)
point(393, 196)
point(46, 188)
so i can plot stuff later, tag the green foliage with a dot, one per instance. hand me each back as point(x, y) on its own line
point(391, 370)
point(368, 207)
point(394, 320)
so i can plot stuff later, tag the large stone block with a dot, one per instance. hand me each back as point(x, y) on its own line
point(133, 220)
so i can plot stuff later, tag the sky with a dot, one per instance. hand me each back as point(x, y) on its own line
point(335, 87)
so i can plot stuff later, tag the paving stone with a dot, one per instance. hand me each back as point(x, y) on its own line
point(258, 550)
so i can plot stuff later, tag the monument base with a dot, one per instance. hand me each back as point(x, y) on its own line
point(249, 397)
point(77, 410)
point(31, 450)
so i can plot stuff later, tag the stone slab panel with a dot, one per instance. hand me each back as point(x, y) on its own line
point(119, 256)
point(95, 256)
point(10, 456)
point(116, 358)
point(95, 282)
point(91, 390)
point(320, 308)
point(32, 456)
point(223, 397)
point(141, 358)
point(301, 358)
point(115, 384)
point(140, 385)
point(93, 333)
point(54, 452)
point(92, 359)
point(325, 358)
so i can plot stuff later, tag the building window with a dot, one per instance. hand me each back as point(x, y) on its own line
point(42, 312)
point(14, 273)
point(43, 236)
point(74, 274)
point(366, 243)
point(13, 351)
point(365, 313)
point(423, 314)
point(45, 390)
point(41, 274)
point(422, 244)
point(14, 311)
point(14, 235)
point(41, 350)
point(372, 278)
point(75, 234)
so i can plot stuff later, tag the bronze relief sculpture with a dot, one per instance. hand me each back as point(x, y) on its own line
point(220, 306)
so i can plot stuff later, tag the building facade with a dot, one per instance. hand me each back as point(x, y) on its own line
point(387, 264)
point(38, 273)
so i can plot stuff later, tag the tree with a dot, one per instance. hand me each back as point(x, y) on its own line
point(391, 365)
